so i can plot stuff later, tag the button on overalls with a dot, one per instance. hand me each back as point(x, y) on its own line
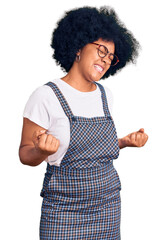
point(81, 198)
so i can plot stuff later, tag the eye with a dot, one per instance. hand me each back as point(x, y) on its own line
point(102, 50)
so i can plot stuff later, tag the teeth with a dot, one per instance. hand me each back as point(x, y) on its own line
point(100, 69)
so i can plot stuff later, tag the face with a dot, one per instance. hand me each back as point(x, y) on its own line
point(91, 66)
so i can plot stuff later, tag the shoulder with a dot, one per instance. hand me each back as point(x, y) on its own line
point(41, 99)
point(41, 93)
point(40, 105)
point(109, 97)
point(108, 92)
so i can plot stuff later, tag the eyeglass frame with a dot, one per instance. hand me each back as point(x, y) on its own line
point(106, 53)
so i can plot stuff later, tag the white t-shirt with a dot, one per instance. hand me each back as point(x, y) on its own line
point(44, 109)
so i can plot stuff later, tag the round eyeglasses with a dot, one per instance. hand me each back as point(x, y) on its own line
point(103, 51)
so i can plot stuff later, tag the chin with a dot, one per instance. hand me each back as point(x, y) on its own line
point(96, 78)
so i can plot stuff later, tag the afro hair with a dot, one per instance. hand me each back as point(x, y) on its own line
point(81, 26)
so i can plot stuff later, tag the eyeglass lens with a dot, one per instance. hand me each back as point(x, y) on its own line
point(103, 51)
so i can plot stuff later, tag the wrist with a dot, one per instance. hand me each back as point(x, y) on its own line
point(122, 143)
point(41, 153)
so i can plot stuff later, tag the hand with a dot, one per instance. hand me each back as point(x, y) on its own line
point(135, 139)
point(45, 143)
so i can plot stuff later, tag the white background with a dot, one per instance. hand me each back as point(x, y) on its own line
point(139, 101)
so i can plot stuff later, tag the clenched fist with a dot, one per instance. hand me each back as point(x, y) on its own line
point(45, 143)
point(135, 139)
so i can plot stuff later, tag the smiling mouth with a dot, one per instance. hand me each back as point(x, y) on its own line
point(99, 68)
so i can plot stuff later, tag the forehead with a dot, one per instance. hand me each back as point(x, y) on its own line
point(109, 44)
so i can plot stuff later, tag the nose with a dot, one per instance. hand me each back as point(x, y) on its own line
point(106, 59)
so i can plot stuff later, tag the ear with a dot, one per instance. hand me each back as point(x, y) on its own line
point(79, 52)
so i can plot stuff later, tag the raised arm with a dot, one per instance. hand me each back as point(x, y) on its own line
point(135, 139)
point(35, 144)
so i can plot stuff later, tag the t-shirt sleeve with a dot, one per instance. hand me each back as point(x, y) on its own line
point(36, 108)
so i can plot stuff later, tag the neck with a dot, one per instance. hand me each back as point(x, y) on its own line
point(77, 81)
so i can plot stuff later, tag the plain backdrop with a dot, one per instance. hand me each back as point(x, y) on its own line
point(139, 102)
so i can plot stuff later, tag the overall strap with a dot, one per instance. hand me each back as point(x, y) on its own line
point(104, 100)
point(61, 99)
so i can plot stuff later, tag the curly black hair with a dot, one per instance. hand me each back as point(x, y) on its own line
point(81, 26)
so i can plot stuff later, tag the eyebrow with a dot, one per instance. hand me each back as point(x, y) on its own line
point(103, 46)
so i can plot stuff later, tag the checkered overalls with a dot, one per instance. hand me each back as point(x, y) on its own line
point(81, 198)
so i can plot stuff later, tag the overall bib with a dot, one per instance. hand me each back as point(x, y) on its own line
point(81, 198)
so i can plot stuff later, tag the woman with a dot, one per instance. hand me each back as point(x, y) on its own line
point(67, 122)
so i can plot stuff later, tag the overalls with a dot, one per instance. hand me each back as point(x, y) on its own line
point(81, 198)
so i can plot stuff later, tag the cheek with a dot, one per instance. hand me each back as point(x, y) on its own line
point(89, 57)
point(87, 63)
point(108, 68)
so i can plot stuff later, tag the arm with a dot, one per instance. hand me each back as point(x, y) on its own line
point(135, 139)
point(35, 144)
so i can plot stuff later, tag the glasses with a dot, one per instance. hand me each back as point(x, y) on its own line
point(103, 51)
